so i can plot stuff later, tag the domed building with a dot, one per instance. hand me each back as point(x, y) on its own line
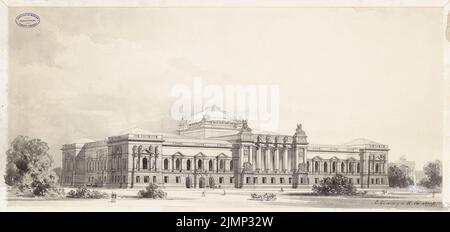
point(213, 150)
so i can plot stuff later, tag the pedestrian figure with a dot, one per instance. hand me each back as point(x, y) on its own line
point(224, 192)
point(113, 197)
point(282, 190)
point(203, 194)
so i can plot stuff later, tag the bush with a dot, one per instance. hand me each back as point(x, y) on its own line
point(152, 191)
point(336, 185)
point(83, 192)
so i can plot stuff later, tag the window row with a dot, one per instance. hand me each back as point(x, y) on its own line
point(323, 167)
point(102, 165)
point(178, 165)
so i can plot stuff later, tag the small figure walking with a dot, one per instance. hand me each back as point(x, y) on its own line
point(282, 190)
point(113, 197)
point(224, 193)
point(203, 194)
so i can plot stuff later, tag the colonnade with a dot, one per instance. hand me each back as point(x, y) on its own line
point(270, 157)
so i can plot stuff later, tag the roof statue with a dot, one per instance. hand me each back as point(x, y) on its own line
point(299, 131)
point(245, 127)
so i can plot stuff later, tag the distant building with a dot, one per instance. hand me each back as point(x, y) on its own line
point(212, 149)
point(420, 175)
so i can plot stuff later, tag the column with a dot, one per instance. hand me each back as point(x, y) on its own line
point(258, 158)
point(285, 157)
point(250, 156)
point(295, 158)
point(268, 158)
point(277, 159)
point(217, 164)
point(241, 157)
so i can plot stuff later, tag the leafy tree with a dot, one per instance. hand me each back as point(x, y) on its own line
point(433, 172)
point(397, 178)
point(336, 185)
point(29, 167)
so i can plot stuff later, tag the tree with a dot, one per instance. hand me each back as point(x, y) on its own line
point(336, 185)
point(433, 174)
point(397, 178)
point(29, 167)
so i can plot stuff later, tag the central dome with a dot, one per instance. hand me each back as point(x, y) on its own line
point(211, 113)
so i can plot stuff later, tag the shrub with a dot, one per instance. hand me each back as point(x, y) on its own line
point(152, 191)
point(336, 185)
point(82, 192)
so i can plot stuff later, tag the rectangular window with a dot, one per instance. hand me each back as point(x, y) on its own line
point(316, 180)
point(272, 180)
point(301, 180)
point(382, 180)
point(231, 180)
point(357, 180)
point(290, 180)
point(154, 179)
point(264, 180)
point(124, 178)
point(281, 180)
point(371, 181)
point(255, 180)
point(166, 179)
point(247, 180)
point(177, 179)
point(350, 180)
point(377, 181)
point(146, 179)
point(220, 180)
point(138, 179)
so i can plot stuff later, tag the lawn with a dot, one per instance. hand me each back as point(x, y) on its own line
point(235, 200)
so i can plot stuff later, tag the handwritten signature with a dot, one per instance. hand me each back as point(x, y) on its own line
point(409, 203)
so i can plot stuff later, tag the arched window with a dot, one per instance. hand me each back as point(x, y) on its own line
point(325, 167)
point(166, 164)
point(316, 166)
point(144, 163)
point(231, 165)
point(210, 164)
point(188, 165)
point(222, 164)
point(342, 167)
point(333, 167)
point(199, 164)
point(377, 168)
point(358, 168)
point(177, 164)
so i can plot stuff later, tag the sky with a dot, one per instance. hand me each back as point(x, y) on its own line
point(344, 73)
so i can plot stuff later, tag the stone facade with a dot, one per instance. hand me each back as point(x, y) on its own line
point(220, 152)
